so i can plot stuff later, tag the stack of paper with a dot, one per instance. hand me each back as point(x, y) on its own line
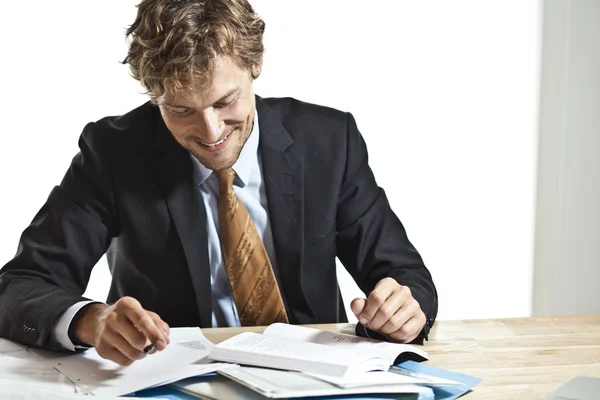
point(186, 356)
point(276, 385)
point(189, 355)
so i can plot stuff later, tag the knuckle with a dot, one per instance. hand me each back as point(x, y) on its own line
point(375, 324)
point(387, 311)
point(145, 320)
point(393, 325)
point(405, 290)
point(415, 309)
point(416, 304)
point(127, 302)
point(111, 318)
point(376, 298)
point(404, 331)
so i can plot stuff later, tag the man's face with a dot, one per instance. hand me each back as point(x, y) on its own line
point(214, 125)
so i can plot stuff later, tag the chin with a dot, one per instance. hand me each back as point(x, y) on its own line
point(213, 161)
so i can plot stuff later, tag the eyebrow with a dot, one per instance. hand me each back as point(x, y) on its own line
point(228, 94)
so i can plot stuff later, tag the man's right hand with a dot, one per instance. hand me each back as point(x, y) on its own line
point(120, 332)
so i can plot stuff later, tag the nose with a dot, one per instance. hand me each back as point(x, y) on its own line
point(210, 126)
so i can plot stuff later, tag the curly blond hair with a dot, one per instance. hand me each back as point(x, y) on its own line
point(174, 44)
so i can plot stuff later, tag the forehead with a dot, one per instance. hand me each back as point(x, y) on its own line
point(228, 77)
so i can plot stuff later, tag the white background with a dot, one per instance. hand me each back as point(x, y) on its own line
point(445, 94)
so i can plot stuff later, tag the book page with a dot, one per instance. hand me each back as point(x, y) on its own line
point(278, 352)
point(389, 351)
point(256, 343)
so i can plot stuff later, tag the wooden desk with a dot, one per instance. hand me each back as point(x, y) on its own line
point(522, 358)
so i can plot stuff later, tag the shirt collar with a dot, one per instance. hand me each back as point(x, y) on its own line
point(244, 165)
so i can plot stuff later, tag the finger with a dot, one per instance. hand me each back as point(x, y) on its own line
point(389, 309)
point(130, 333)
point(106, 349)
point(143, 322)
point(112, 354)
point(118, 322)
point(410, 330)
point(397, 321)
point(124, 347)
point(357, 306)
point(162, 325)
point(376, 298)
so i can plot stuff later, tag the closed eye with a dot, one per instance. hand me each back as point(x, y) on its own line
point(224, 104)
point(179, 110)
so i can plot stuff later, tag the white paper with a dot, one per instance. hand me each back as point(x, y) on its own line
point(216, 388)
point(376, 378)
point(281, 384)
point(20, 366)
point(387, 350)
point(184, 357)
point(11, 390)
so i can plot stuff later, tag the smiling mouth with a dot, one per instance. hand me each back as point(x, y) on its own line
point(215, 143)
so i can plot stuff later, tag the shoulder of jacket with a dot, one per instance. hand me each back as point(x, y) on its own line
point(288, 107)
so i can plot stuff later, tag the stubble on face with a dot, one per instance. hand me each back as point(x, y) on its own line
point(219, 162)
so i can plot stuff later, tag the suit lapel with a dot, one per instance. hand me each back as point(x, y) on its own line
point(283, 174)
point(174, 172)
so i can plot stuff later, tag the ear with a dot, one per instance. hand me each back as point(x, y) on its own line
point(257, 69)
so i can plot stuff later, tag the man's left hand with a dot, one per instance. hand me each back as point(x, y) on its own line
point(390, 310)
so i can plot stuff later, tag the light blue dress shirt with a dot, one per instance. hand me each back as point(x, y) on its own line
point(250, 189)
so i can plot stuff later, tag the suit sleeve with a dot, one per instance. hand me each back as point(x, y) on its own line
point(371, 241)
point(58, 250)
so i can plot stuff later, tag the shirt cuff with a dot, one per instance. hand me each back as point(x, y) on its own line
point(60, 333)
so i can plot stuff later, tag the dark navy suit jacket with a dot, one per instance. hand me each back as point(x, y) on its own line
point(129, 193)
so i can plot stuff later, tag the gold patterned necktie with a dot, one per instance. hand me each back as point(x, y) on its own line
point(253, 284)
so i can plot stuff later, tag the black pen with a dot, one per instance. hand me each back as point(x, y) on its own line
point(148, 348)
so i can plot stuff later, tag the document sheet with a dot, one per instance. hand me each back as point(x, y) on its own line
point(11, 390)
point(283, 384)
point(184, 357)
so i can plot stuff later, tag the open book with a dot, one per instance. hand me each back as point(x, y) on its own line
point(296, 348)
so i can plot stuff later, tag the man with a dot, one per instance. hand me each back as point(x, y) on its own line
point(216, 207)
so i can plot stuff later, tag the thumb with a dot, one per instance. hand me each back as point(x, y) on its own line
point(357, 306)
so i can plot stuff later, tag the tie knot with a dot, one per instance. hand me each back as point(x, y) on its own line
point(225, 178)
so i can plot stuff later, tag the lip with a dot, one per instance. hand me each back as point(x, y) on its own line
point(213, 149)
